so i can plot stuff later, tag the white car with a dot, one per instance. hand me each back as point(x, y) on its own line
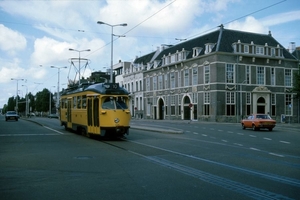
point(11, 115)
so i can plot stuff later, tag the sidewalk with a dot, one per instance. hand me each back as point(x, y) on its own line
point(291, 125)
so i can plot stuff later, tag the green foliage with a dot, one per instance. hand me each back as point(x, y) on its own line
point(296, 85)
point(42, 100)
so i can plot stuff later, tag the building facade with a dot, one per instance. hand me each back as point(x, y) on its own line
point(221, 76)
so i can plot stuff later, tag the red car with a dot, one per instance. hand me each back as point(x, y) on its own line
point(258, 121)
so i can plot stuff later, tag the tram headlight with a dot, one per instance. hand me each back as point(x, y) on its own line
point(117, 120)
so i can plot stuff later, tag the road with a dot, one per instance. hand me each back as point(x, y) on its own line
point(191, 160)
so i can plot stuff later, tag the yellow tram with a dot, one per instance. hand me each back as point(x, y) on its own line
point(99, 109)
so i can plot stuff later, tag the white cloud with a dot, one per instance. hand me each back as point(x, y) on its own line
point(11, 40)
point(281, 18)
point(48, 50)
point(249, 25)
point(10, 70)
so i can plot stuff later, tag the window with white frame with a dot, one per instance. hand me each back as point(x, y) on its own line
point(154, 82)
point(166, 86)
point(272, 76)
point(179, 78)
point(172, 80)
point(260, 75)
point(288, 77)
point(172, 104)
point(288, 104)
point(206, 74)
point(209, 47)
point(195, 97)
point(195, 75)
point(160, 82)
point(186, 77)
point(246, 48)
point(141, 86)
point(248, 103)
point(273, 104)
point(230, 103)
point(273, 52)
point(206, 104)
point(173, 58)
point(229, 73)
point(132, 88)
point(148, 84)
point(248, 74)
point(259, 50)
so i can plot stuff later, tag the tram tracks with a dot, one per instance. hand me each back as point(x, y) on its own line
point(157, 155)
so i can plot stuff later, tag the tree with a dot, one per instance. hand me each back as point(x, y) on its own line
point(11, 103)
point(296, 85)
point(42, 100)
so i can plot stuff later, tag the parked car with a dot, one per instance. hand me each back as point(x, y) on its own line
point(53, 116)
point(258, 121)
point(11, 115)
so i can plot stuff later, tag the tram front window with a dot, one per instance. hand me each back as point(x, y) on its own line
point(114, 103)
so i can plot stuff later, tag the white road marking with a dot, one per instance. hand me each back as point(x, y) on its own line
point(252, 135)
point(53, 130)
point(195, 133)
point(229, 132)
point(285, 142)
point(275, 154)
point(204, 135)
point(238, 144)
point(267, 138)
point(240, 133)
point(224, 140)
point(255, 149)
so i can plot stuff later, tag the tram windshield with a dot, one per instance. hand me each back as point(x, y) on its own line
point(111, 102)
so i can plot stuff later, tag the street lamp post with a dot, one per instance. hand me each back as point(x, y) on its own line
point(57, 94)
point(50, 100)
point(111, 53)
point(26, 109)
point(79, 51)
point(17, 79)
point(241, 99)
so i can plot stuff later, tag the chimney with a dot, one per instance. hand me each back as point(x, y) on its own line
point(292, 47)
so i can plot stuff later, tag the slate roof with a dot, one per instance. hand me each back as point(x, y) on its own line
point(227, 38)
point(296, 53)
point(144, 59)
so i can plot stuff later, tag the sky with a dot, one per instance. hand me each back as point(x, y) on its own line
point(37, 34)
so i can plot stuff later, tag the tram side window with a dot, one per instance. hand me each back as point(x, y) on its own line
point(74, 102)
point(84, 101)
point(108, 103)
point(65, 103)
point(62, 103)
point(79, 102)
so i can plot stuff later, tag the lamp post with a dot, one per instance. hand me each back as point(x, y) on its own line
point(111, 52)
point(17, 79)
point(241, 99)
point(79, 51)
point(50, 100)
point(57, 94)
point(26, 109)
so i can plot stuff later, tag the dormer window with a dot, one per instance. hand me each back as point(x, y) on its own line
point(196, 51)
point(260, 50)
point(273, 52)
point(246, 49)
point(209, 47)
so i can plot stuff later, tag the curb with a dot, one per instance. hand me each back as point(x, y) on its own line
point(156, 129)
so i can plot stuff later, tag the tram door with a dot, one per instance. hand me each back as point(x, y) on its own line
point(69, 114)
point(93, 122)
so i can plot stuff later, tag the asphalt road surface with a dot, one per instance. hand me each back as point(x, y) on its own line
point(197, 161)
